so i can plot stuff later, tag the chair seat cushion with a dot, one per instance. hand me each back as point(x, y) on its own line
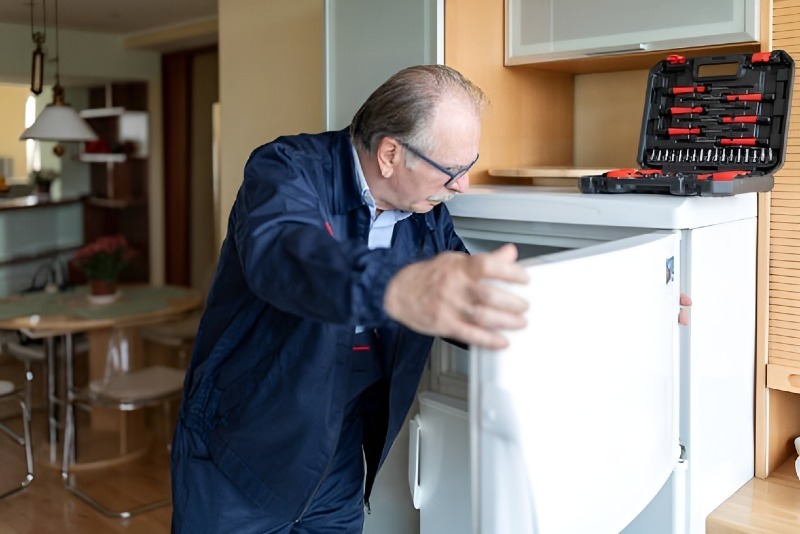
point(37, 352)
point(152, 382)
point(173, 332)
point(32, 352)
point(6, 387)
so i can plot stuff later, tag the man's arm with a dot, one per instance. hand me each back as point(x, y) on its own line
point(449, 296)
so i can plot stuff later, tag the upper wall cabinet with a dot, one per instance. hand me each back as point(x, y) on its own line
point(551, 30)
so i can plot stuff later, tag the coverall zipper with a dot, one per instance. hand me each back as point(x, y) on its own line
point(330, 458)
point(316, 488)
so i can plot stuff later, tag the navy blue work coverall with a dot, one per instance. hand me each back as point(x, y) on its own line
point(267, 384)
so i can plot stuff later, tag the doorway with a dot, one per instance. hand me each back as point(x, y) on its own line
point(190, 88)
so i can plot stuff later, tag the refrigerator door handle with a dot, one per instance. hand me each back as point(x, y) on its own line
point(413, 461)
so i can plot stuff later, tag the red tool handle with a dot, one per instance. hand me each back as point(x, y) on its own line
point(620, 173)
point(740, 141)
point(688, 89)
point(683, 131)
point(761, 57)
point(724, 176)
point(685, 110)
point(748, 97)
point(745, 119)
point(631, 173)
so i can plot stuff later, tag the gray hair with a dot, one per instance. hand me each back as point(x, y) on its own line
point(403, 106)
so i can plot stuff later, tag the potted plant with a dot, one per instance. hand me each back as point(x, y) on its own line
point(43, 179)
point(102, 260)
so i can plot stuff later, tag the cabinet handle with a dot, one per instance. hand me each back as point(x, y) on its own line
point(608, 52)
point(413, 461)
point(794, 380)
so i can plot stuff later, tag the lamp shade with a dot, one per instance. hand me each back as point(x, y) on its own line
point(59, 122)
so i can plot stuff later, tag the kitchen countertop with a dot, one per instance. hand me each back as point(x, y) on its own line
point(23, 196)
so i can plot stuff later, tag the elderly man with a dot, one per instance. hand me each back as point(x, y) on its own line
point(340, 264)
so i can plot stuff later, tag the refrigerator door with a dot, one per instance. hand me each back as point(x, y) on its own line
point(574, 427)
point(439, 474)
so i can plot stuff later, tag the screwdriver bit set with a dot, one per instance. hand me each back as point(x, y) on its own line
point(712, 126)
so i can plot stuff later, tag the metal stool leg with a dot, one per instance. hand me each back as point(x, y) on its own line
point(28, 355)
point(69, 408)
point(53, 401)
point(25, 442)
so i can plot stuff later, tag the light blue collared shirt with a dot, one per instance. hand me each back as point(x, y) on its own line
point(381, 227)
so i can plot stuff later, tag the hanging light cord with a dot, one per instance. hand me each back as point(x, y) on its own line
point(39, 37)
point(58, 91)
point(57, 59)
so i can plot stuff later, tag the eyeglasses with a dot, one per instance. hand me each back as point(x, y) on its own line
point(453, 174)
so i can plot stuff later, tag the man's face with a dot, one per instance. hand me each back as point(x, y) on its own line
point(436, 176)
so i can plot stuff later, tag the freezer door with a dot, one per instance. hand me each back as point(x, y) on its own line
point(574, 427)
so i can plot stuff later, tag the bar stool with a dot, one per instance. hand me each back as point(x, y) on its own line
point(178, 334)
point(124, 391)
point(30, 354)
point(47, 353)
point(9, 392)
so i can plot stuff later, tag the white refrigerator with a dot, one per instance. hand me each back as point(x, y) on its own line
point(604, 415)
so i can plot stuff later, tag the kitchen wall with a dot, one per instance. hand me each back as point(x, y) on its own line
point(608, 118)
point(12, 111)
point(529, 121)
point(271, 80)
point(88, 58)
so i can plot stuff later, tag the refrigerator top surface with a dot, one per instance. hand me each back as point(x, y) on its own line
point(569, 206)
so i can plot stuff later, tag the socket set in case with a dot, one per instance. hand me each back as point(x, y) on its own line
point(712, 126)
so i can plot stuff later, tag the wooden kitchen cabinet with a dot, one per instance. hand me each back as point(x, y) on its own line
point(545, 30)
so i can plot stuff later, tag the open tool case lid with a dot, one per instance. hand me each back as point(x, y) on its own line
point(712, 126)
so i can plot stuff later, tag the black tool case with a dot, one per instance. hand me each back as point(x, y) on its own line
point(712, 126)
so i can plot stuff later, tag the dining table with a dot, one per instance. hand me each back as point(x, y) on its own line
point(62, 314)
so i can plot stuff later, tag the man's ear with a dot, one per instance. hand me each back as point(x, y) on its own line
point(389, 156)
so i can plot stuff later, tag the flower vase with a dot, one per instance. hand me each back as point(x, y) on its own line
point(102, 291)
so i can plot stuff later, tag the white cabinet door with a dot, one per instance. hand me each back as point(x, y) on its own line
point(574, 427)
point(548, 30)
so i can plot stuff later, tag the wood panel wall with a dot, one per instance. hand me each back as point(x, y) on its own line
point(784, 252)
point(529, 120)
point(778, 420)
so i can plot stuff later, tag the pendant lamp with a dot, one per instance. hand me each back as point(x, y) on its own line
point(58, 121)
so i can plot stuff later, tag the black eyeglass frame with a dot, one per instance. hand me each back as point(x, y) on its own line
point(453, 175)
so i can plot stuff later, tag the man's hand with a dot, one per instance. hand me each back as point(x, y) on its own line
point(449, 296)
point(683, 315)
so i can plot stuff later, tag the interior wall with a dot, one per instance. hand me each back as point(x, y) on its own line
point(12, 110)
point(87, 59)
point(85, 56)
point(608, 118)
point(271, 80)
point(529, 118)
